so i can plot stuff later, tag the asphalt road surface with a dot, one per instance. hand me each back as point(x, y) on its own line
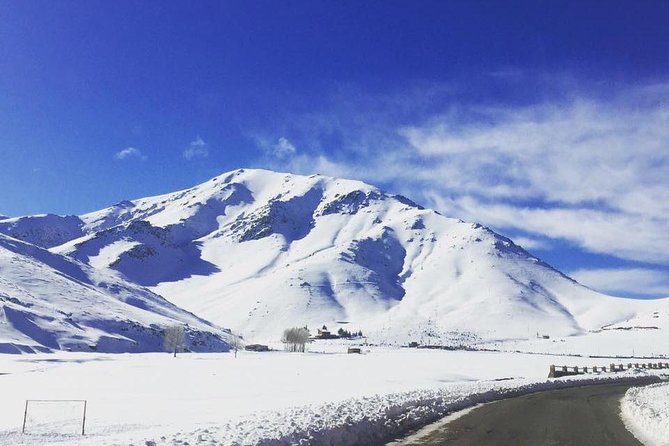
point(587, 416)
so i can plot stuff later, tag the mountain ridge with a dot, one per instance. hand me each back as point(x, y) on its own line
point(259, 251)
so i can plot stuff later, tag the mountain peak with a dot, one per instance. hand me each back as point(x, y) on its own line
point(260, 251)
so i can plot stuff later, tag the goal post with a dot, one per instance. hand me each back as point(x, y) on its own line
point(49, 414)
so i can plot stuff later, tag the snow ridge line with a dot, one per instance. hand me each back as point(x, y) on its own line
point(375, 420)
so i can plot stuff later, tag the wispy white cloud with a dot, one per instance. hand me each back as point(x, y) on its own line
point(586, 170)
point(625, 281)
point(574, 153)
point(197, 148)
point(281, 149)
point(284, 148)
point(531, 243)
point(129, 152)
point(624, 235)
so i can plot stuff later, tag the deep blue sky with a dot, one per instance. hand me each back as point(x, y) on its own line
point(80, 81)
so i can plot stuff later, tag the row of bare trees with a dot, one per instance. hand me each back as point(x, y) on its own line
point(294, 339)
point(174, 341)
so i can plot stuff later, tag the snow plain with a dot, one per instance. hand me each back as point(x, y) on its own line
point(645, 411)
point(324, 398)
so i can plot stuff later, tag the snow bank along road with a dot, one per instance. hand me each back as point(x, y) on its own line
point(645, 411)
point(587, 415)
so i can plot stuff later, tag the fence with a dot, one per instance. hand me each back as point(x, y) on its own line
point(558, 371)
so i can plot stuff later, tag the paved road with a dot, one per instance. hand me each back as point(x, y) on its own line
point(585, 416)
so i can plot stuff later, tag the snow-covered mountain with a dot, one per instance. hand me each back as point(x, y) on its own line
point(52, 302)
point(259, 251)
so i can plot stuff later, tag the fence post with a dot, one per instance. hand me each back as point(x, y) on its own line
point(25, 415)
point(83, 422)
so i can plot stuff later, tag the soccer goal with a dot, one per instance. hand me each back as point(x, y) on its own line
point(55, 416)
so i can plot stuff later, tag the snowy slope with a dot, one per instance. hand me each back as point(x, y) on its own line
point(260, 251)
point(51, 302)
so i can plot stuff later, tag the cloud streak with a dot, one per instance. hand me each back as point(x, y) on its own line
point(531, 243)
point(626, 236)
point(284, 148)
point(623, 281)
point(197, 148)
point(128, 153)
point(575, 154)
point(281, 149)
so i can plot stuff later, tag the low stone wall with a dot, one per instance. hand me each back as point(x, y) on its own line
point(563, 370)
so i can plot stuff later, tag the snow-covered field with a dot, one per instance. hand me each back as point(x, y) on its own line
point(634, 342)
point(259, 398)
point(645, 411)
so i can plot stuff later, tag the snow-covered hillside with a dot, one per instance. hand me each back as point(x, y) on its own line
point(51, 302)
point(260, 251)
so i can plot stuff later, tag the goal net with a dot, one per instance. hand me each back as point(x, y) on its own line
point(66, 417)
